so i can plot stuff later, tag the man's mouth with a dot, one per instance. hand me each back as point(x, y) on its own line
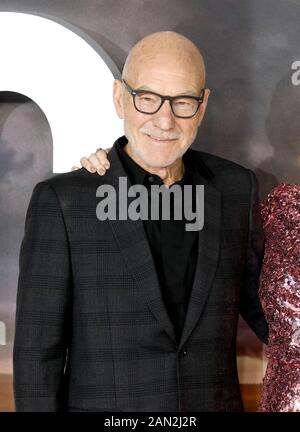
point(161, 139)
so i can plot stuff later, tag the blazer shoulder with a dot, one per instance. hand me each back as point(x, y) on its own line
point(78, 178)
point(216, 163)
point(67, 188)
point(225, 173)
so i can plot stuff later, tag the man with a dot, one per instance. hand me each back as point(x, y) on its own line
point(140, 315)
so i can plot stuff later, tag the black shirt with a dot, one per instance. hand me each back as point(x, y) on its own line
point(173, 248)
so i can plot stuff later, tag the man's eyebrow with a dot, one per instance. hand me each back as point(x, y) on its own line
point(187, 93)
point(146, 88)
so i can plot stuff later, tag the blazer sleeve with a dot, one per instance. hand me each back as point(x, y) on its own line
point(43, 306)
point(250, 306)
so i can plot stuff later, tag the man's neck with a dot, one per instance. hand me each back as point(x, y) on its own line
point(169, 175)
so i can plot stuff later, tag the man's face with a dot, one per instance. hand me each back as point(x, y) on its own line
point(159, 139)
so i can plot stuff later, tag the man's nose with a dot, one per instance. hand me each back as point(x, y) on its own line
point(164, 118)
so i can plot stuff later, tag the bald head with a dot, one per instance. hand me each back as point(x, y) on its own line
point(169, 48)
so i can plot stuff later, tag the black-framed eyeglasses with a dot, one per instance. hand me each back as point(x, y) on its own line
point(148, 102)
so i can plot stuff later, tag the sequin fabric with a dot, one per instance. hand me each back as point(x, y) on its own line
point(280, 297)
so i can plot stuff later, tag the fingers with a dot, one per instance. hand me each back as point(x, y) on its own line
point(101, 155)
point(85, 163)
point(100, 161)
point(96, 162)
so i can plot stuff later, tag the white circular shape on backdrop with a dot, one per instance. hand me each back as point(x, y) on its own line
point(68, 76)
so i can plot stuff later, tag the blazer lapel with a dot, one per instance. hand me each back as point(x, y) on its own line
point(208, 254)
point(133, 243)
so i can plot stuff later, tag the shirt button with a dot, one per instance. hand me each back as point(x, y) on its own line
point(184, 353)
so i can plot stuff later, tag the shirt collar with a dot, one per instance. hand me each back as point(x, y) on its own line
point(138, 175)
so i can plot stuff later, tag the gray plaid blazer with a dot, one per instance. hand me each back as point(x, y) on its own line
point(92, 332)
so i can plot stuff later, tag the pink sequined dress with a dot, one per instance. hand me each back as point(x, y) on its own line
point(280, 298)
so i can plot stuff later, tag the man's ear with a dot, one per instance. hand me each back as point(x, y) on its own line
point(118, 98)
point(203, 105)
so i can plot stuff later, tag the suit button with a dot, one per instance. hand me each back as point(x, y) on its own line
point(184, 352)
point(151, 179)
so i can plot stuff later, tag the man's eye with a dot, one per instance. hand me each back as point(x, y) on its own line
point(147, 98)
point(183, 103)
